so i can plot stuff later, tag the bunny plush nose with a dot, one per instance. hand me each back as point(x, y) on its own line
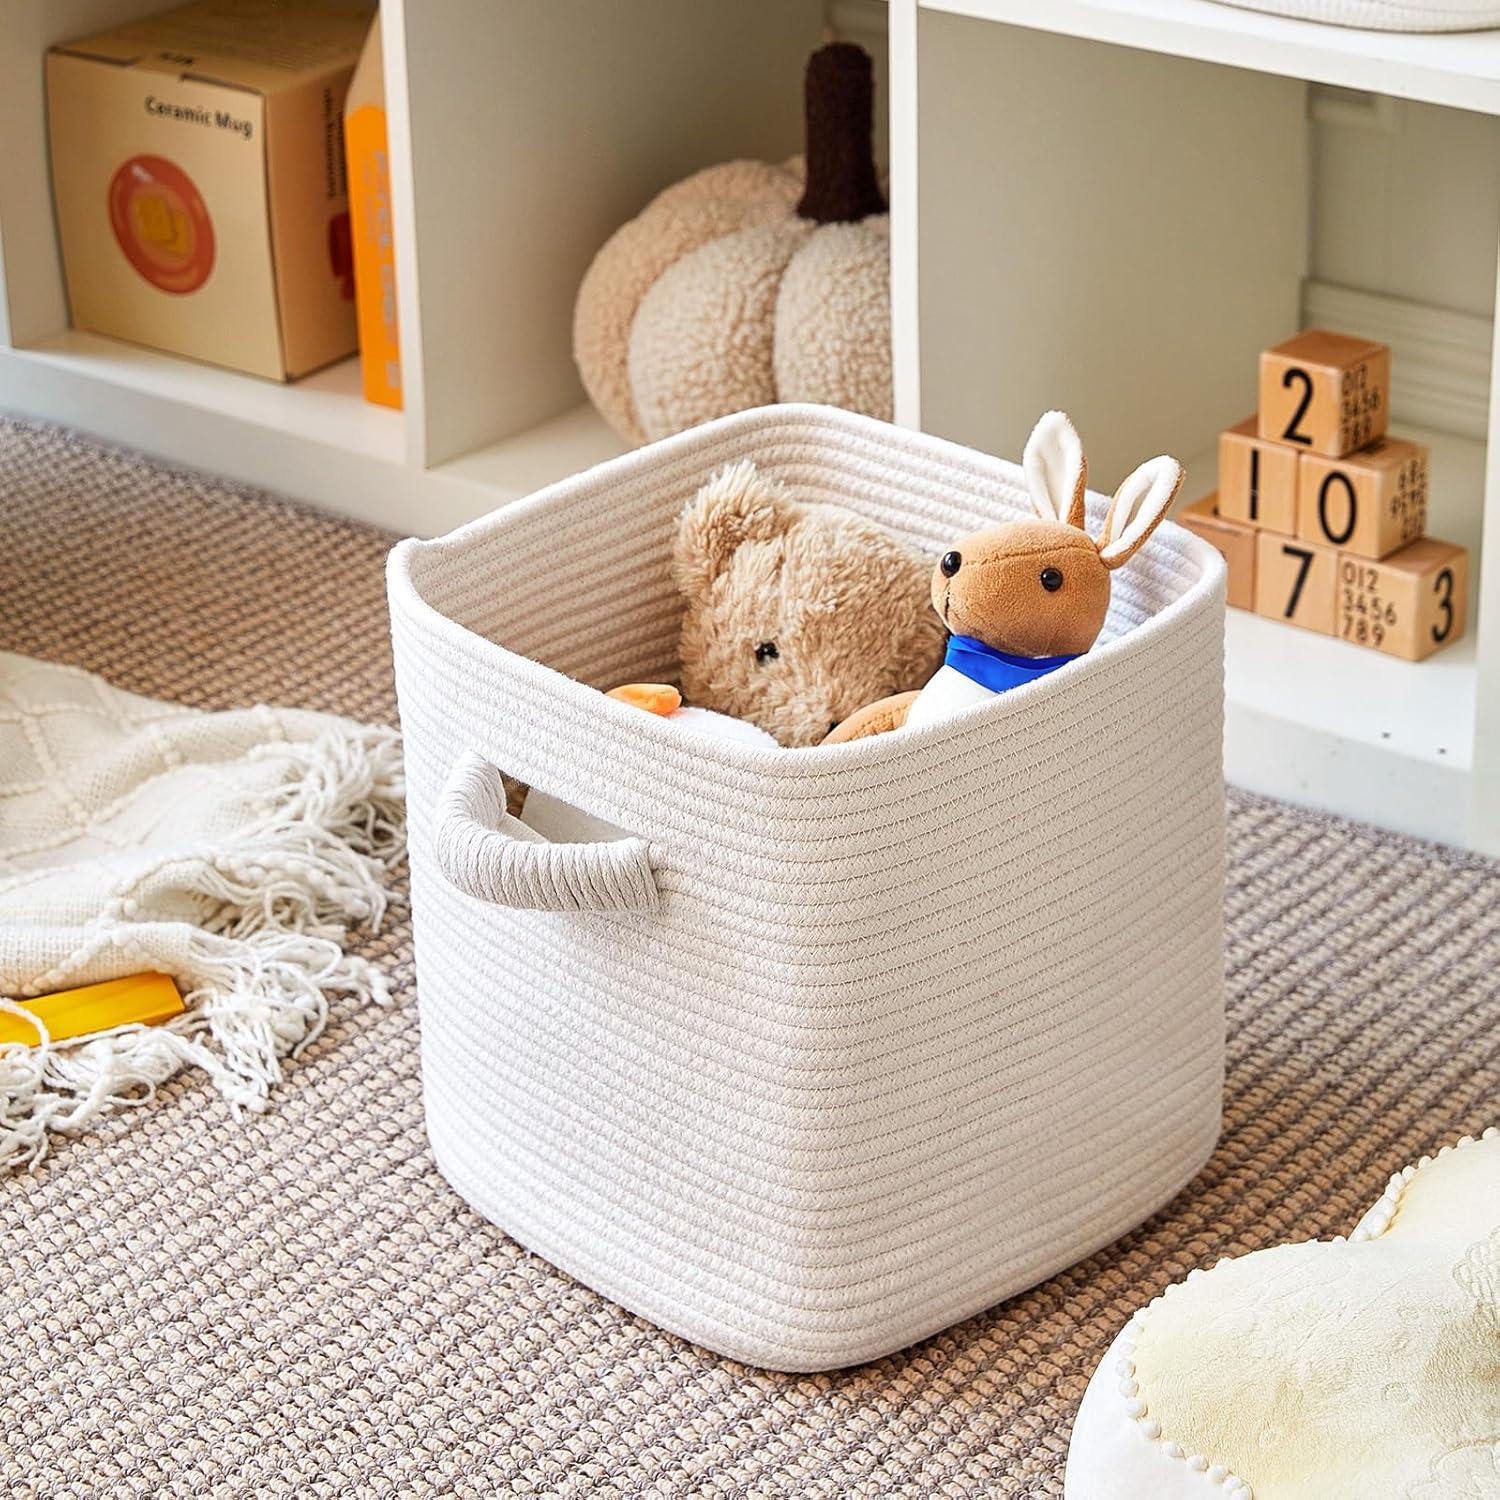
point(951, 563)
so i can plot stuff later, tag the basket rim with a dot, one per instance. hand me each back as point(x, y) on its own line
point(789, 419)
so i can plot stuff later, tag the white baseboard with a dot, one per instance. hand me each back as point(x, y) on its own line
point(1440, 360)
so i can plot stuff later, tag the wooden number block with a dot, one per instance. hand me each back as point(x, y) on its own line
point(1325, 392)
point(1408, 604)
point(1257, 479)
point(1236, 543)
point(1295, 581)
point(1370, 503)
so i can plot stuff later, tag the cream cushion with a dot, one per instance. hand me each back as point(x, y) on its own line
point(1352, 1368)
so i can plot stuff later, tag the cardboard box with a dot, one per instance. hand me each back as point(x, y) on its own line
point(198, 171)
point(365, 144)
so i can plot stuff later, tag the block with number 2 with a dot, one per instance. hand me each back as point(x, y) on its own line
point(1295, 581)
point(1325, 392)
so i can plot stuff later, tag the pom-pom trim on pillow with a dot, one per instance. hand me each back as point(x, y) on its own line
point(1134, 1401)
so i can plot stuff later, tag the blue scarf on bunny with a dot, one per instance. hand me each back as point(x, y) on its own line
point(997, 670)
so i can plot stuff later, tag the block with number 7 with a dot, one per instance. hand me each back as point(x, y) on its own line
point(1409, 604)
point(1295, 580)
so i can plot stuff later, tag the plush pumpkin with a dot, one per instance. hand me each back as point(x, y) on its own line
point(750, 283)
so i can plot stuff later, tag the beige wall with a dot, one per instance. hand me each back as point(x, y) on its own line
point(1403, 217)
point(1406, 200)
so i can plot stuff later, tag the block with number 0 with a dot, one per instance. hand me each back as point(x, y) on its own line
point(1370, 503)
point(1409, 604)
point(1257, 479)
point(1325, 392)
point(1295, 581)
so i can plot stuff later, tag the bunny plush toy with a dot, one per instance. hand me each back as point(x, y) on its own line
point(1026, 598)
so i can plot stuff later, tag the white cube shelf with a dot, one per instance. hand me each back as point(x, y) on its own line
point(1101, 204)
point(521, 135)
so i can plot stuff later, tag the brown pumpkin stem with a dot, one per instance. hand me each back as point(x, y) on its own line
point(840, 101)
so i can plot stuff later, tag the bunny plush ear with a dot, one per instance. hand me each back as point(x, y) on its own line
point(1138, 508)
point(1056, 470)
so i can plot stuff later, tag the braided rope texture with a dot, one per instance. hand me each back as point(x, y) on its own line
point(920, 1020)
point(1386, 15)
point(495, 857)
point(298, 1305)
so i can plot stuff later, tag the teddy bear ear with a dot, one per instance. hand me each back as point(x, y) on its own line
point(738, 505)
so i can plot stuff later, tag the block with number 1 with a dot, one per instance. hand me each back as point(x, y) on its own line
point(1325, 392)
point(1257, 479)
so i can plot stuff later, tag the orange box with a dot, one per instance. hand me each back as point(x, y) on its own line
point(1295, 581)
point(1325, 392)
point(1234, 541)
point(198, 174)
point(1409, 604)
point(365, 144)
point(1257, 479)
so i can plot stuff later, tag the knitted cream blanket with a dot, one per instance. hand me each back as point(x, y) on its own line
point(229, 850)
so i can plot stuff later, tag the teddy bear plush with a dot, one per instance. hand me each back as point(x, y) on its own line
point(1028, 597)
point(796, 614)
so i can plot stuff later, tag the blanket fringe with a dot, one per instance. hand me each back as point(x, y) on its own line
point(258, 973)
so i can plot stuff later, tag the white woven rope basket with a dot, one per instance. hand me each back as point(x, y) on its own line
point(841, 1044)
point(1386, 15)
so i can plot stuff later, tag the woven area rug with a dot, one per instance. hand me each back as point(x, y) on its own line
point(298, 1304)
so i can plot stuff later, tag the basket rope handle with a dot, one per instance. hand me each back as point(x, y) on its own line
point(488, 854)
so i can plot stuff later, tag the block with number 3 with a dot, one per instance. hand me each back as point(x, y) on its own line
point(1409, 604)
point(1325, 392)
point(1295, 581)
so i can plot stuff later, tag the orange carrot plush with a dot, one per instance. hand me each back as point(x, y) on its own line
point(655, 697)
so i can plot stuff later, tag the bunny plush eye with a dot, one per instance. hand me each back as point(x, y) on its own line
point(1051, 580)
point(766, 651)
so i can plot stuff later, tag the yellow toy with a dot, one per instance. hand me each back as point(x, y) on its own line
point(138, 1000)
